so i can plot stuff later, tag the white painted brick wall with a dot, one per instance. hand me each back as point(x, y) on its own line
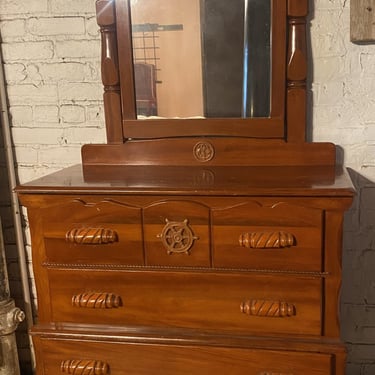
point(10, 8)
point(54, 26)
point(51, 53)
point(344, 113)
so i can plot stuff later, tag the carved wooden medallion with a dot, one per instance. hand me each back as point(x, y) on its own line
point(204, 151)
point(177, 237)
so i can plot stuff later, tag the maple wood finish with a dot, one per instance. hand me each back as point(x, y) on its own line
point(123, 281)
point(192, 246)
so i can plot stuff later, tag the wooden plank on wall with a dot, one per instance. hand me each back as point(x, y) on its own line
point(362, 21)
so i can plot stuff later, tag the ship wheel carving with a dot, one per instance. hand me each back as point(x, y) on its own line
point(177, 237)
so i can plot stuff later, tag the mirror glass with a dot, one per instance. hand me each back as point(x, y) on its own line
point(202, 58)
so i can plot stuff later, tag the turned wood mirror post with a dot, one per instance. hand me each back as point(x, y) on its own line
point(110, 70)
point(296, 71)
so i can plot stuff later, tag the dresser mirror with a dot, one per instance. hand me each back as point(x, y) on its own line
point(202, 67)
point(204, 81)
point(201, 58)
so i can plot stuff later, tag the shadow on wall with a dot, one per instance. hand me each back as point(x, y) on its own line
point(358, 288)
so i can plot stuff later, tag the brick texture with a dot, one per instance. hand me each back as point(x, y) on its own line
point(343, 112)
point(52, 65)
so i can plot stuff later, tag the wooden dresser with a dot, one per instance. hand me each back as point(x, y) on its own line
point(195, 245)
point(227, 277)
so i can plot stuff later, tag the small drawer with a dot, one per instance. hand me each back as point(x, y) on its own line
point(229, 302)
point(277, 237)
point(176, 233)
point(58, 356)
point(104, 232)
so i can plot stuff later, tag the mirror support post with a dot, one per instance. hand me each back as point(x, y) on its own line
point(296, 71)
point(245, 61)
point(106, 18)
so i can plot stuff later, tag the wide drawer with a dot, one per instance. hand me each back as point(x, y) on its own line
point(229, 302)
point(56, 356)
point(278, 236)
point(100, 232)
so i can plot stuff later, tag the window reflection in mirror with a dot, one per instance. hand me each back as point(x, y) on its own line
point(202, 58)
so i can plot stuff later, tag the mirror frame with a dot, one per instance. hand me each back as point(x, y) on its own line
point(272, 127)
point(287, 120)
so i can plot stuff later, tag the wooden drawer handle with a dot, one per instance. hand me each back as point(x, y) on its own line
point(84, 367)
point(97, 300)
point(266, 240)
point(91, 236)
point(269, 309)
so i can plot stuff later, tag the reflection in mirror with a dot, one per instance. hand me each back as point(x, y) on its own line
point(202, 58)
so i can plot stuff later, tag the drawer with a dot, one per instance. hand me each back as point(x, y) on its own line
point(57, 356)
point(281, 236)
point(103, 232)
point(229, 302)
point(176, 233)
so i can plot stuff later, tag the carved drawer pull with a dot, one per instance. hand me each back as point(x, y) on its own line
point(266, 240)
point(270, 309)
point(91, 236)
point(97, 300)
point(84, 367)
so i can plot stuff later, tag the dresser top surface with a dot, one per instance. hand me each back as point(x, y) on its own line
point(233, 181)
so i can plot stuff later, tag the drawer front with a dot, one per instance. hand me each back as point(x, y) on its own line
point(104, 232)
point(176, 233)
point(243, 303)
point(62, 357)
point(280, 236)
